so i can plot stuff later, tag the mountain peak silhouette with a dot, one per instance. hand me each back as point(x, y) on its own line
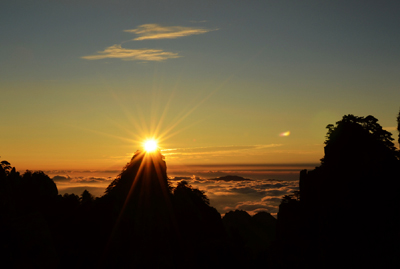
point(144, 175)
point(140, 202)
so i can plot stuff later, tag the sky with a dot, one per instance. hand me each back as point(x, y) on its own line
point(84, 83)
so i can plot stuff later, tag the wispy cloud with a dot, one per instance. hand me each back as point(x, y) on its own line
point(156, 31)
point(215, 150)
point(116, 51)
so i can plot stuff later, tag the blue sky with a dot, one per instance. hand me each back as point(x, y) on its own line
point(240, 74)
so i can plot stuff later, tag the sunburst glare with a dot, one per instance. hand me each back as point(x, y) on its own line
point(150, 145)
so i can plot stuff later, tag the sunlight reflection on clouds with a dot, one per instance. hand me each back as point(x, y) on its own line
point(116, 51)
point(156, 31)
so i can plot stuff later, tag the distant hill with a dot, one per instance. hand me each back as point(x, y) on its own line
point(96, 191)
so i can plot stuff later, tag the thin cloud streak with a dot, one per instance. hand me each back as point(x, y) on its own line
point(116, 51)
point(214, 150)
point(156, 31)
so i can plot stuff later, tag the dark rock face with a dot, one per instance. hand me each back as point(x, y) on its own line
point(347, 214)
point(250, 237)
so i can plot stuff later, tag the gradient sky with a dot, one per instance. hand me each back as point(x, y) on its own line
point(83, 83)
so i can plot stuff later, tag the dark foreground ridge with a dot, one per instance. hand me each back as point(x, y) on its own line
point(346, 215)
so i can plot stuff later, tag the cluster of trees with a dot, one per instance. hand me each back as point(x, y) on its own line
point(347, 212)
point(140, 221)
point(345, 215)
point(37, 223)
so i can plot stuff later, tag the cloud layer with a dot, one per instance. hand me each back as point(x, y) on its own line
point(252, 188)
point(116, 51)
point(156, 31)
point(250, 195)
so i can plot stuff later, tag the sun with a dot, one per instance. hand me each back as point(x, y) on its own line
point(150, 145)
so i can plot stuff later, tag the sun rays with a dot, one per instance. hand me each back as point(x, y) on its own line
point(158, 112)
point(148, 127)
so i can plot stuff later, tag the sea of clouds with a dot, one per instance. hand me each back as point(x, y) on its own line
point(252, 188)
point(227, 194)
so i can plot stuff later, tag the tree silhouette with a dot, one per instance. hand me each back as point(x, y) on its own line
point(38, 189)
point(199, 225)
point(185, 192)
point(354, 135)
point(398, 126)
point(5, 167)
point(28, 208)
point(86, 198)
